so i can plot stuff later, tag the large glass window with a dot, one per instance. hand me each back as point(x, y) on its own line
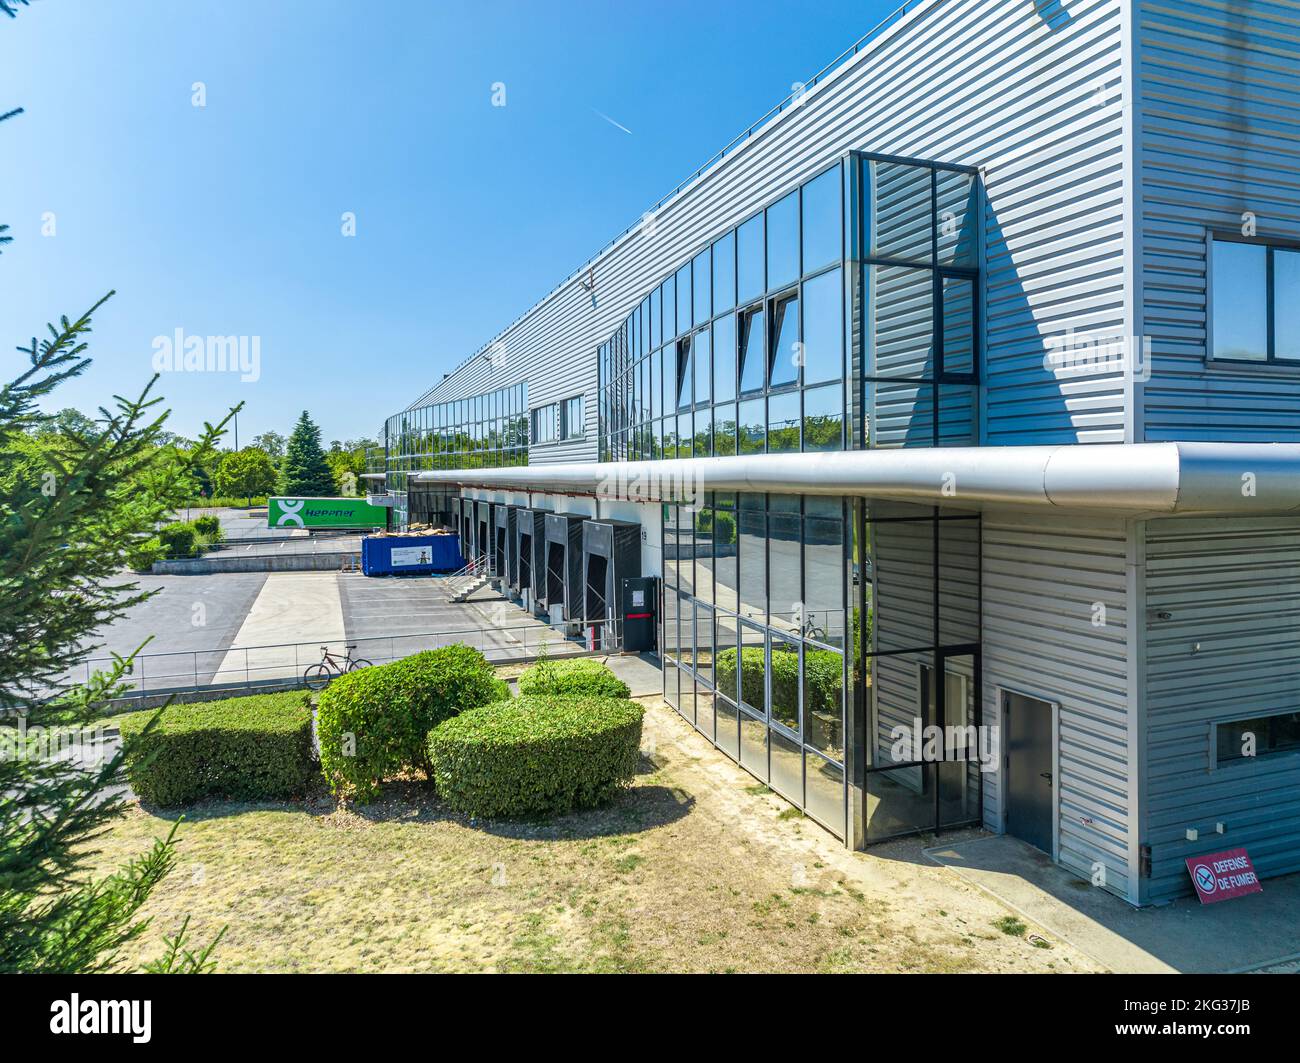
point(724, 273)
point(823, 328)
point(1255, 302)
point(750, 273)
point(823, 223)
point(783, 241)
point(724, 358)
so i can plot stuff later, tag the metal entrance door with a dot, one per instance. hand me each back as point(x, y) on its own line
point(1029, 782)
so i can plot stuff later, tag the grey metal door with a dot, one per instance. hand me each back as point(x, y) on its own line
point(1029, 769)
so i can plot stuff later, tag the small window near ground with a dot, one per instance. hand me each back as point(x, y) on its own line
point(1258, 737)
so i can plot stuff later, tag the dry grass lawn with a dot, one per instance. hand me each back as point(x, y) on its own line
point(694, 869)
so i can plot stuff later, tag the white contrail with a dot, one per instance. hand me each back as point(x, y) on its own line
point(611, 121)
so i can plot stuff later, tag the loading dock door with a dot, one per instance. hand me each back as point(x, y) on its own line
point(1029, 782)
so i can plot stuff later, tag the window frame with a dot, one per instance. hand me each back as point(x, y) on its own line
point(1232, 763)
point(1271, 245)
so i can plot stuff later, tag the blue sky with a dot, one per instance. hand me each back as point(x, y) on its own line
point(226, 219)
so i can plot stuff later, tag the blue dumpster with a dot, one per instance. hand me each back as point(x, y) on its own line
point(410, 555)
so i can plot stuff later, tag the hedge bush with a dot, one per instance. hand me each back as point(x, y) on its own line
point(251, 748)
point(536, 756)
point(374, 722)
point(140, 556)
point(178, 539)
point(823, 668)
point(572, 679)
point(209, 528)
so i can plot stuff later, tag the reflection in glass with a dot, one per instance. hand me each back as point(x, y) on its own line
point(783, 667)
point(724, 273)
point(704, 642)
point(752, 429)
point(727, 734)
point(685, 373)
point(684, 302)
point(899, 802)
point(749, 260)
point(823, 328)
point(724, 429)
point(753, 557)
point(724, 359)
point(753, 350)
point(783, 420)
point(783, 241)
point(825, 792)
point(702, 355)
point(753, 745)
point(900, 212)
point(1240, 293)
point(823, 701)
point(704, 702)
point(901, 323)
point(822, 226)
point(958, 325)
point(785, 342)
point(702, 273)
point(823, 418)
point(783, 546)
point(1286, 305)
point(787, 768)
point(957, 205)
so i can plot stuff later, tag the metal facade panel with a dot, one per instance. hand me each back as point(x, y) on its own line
point(1046, 127)
point(1223, 636)
point(1220, 143)
point(1054, 627)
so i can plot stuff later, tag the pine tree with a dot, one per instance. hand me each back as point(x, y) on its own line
point(304, 470)
point(69, 515)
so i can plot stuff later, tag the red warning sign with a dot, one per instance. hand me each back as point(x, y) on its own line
point(1222, 876)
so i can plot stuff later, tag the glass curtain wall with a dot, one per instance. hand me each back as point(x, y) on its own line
point(917, 661)
point(803, 634)
point(741, 349)
point(754, 637)
point(479, 432)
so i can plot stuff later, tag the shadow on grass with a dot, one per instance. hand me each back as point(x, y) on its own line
point(641, 807)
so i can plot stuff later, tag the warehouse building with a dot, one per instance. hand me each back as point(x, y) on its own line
point(962, 392)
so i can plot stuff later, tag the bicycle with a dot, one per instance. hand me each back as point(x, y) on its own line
point(318, 676)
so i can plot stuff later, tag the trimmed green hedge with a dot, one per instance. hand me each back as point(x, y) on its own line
point(178, 540)
point(209, 527)
point(536, 756)
point(374, 722)
point(572, 679)
point(246, 749)
point(824, 675)
point(141, 555)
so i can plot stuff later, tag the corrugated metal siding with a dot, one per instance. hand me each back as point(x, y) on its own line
point(977, 82)
point(1233, 587)
point(1220, 135)
point(1042, 578)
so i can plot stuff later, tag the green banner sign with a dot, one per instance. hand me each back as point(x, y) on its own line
point(324, 513)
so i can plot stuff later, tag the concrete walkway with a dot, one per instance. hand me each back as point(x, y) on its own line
point(298, 607)
point(1258, 932)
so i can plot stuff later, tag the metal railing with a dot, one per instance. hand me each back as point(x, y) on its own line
point(283, 664)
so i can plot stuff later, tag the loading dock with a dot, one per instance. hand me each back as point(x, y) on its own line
point(563, 573)
point(483, 531)
point(611, 553)
point(505, 544)
point(530, 550)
